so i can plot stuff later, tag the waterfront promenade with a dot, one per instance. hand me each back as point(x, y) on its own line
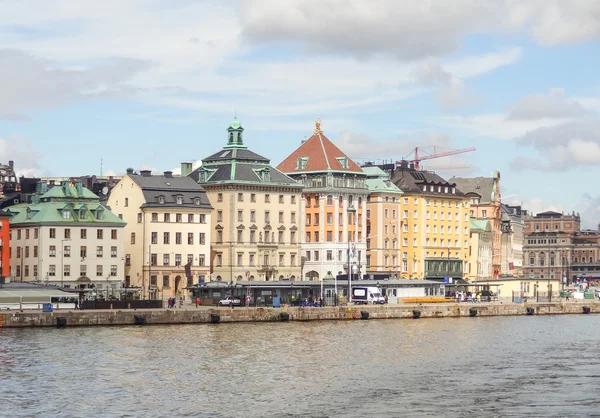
point(212, 315)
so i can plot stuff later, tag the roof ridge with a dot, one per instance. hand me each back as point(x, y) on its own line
point(324, 151)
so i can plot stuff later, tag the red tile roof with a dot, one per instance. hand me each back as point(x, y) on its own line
point(322, 155)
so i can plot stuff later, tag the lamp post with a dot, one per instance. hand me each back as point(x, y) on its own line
point(62, 261)
point(350, 210)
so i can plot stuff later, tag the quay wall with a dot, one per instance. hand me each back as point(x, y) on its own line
point(59, 319)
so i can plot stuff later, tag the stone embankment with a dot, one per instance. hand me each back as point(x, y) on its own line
point(62, 319)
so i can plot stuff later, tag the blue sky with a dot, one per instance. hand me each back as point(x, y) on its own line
point(148, 84)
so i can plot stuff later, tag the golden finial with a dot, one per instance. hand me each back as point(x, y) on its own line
point(317, 126)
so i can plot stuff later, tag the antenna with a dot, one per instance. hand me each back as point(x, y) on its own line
point(101, 166)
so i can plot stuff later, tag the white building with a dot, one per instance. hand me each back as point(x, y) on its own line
point(168, 228)
point(64, 236)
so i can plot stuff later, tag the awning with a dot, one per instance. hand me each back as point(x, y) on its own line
point(32, 296)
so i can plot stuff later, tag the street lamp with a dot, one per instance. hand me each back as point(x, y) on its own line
point(350, 210)
point(62, 261)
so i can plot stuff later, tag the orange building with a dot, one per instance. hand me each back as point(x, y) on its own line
point(4, 246)
point(333, 208)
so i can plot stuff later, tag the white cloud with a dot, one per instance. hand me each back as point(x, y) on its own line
point(26, 158)
point(553, 105)
point(412, 30)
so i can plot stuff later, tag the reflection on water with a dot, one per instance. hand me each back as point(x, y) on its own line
point(511, 366)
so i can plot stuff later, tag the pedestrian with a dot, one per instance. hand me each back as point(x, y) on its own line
point(197, 302)
point(181, 301)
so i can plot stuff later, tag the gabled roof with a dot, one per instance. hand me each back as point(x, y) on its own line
point(170, 188)
point(483, 186)
point(320, 155)
point(410, 180)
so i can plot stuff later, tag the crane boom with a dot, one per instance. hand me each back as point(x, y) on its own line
point(417, 159)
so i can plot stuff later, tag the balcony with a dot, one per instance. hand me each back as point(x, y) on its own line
point(265, 268)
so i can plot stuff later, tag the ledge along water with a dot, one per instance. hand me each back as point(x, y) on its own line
point(189, 315)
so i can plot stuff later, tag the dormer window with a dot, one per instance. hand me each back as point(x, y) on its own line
point(343, 161)
point(28, 213)
point(82, 213)
point(301, 163)
point(66, 214)
point(197, 201)
point(180, 200)
point(99, 213)
point(161, 200)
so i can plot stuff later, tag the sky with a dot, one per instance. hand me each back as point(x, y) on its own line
point(92, 87)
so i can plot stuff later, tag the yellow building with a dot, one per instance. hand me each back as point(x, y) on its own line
point(435, 225)
point(383, 225)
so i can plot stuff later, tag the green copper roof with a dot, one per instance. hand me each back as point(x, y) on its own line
point(65, 203)
point(479, 225)
point(235, 124)
point(378, 181)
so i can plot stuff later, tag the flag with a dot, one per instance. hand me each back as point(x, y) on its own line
point(511, 266)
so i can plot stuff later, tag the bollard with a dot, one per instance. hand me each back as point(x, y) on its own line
point(416, 314)
point(61, 322)
point(139, 320)
point(472, 312)
point(586, 309)
point(364, 315)
point(530, 311)
point(214, 318)
point(284, 317)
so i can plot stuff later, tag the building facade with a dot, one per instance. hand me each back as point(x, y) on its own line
point(256, 218)
point(384, 225)
point(480, 251)
point(512, 241)
point(436, 213)
point(167, 237)
point(333, 208)
point(4, 247)
point(64, 236)
point(549, 249)
point(485, 203)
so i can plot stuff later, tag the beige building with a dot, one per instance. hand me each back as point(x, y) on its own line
point(167, 238)
point(63, 236)
point(509, 287)
point(256, 218)
point(480, 251)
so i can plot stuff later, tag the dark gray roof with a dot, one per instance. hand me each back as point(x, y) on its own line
point(240, 154)
point(410, 180)
point(154, 187)
point(483, 186)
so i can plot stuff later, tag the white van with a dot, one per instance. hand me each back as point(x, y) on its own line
point(366, 295)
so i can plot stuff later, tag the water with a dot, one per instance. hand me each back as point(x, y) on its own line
point(485, 367)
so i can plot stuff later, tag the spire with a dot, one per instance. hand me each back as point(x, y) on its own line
point(234, 133)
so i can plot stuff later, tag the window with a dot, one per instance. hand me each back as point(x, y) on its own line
point(202, 219)
point(166, 238)
point(292, 259)
point(113, 252)
point(66, 214)
point(267, 198)
point(201, 260)
point(179, 200)
point(155, 217)
point(153, 259)
point(166, 259)
point(133, 238)
point(197, 201)
point(252, 216)
point(154, 238)
point(484, 213)
point(191, 218)
point(386, 213)
point(178, 217)
point(329, 236)
point(128, 260)
point(220, 197)
point(280, 237)
point(99, 233)
point(316, 255)
point(52, 270)
point(240, 216)
point(99, 251)
point(220, 236)
point(281, 199)
point(27, 252)
point(167, 217)
point(240, 197)
point(67, 233)
point(281, 217)
point(240, 236)
point(267, 217)
point(178, 238)
point(293, 237)
point(66, 251)
point(51, 251)
point(219, 260)
point(330, 255)
point(190, 239)
point(293, 217)
point(52, 232)
point(113, 234)
point(35, 251)
point(99, 270)
point(139, 218)
point(308, 219)
point(253, 197)
point(67, 270)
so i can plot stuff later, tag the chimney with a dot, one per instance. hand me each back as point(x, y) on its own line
point(412, 166)
point(11, 164)
point(130, 170)
point(186, 169)
point(146, 173)
point(168, 174)
point(79, 186)
point(404, 164)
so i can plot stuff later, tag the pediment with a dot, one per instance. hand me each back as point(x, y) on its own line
point(268, 227)
point(253, 226)
point(294, 228)
point(281, 228)
point(219, 226)
point(241, 226)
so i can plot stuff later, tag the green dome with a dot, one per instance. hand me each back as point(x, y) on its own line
point(235, 124)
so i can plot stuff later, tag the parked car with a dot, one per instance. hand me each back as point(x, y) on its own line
point(230, 301)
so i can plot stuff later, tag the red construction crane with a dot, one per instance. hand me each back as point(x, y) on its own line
point(435, 154)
